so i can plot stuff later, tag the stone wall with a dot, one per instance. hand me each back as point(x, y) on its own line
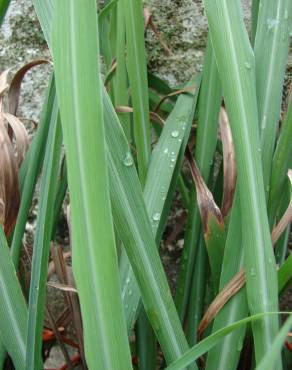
point(182, 24)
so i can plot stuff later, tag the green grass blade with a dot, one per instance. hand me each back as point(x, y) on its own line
point(119, 148)
point(268, 362)
point(271, 52)
point(281, 163)
point(137, 71)
point(254, 18)
point(94, 256)
point(29, 175)
point(62, 187)
point(226, 354)
point(120, 81)
point(134, 229)
point(197, 294)
point(41, 248)
point(45, 10)
point(13, 310)
point(104, 40)
point(236, 66)
point(164, 157)
point(206, 344)
point(285, 274)
point(209, 105)
point(4, 4)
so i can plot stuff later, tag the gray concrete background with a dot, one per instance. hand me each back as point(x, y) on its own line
point(181, 22)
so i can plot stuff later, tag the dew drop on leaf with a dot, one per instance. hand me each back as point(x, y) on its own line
point(175, 133)
point(156, 216)
point(128, 160)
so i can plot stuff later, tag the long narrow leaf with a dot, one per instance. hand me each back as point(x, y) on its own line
point(209, 105)
point(268, 362)
point(41, 248)
point(206, 344)
point(137, 240)
point(271, 52)
point(236, 66)
point(4, 4)
point(94, 257)
point(13, 310)
point(137, 70)
point(29, 173)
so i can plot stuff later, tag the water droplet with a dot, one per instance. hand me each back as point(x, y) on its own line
point(272, 23)
point(156, 216)
point(264, 122)
point(165, 151)
point(172, 159)
point(172, 153)
point(130, 292)
point(128, 160)
point(247, 65)
point(259, 150)
point(126, 306)
point(128, 280)
point(252, 272)
point(175, 133)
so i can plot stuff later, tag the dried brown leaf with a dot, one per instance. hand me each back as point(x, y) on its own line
point(156, 118)
point(205, 200)
point(123, 109)
point(20, 134)
point(285, 219)
point(148, 22)
point(63, 287)
point(189, 89)
point(14, 89)
point(234, 285)
point(238, 281)
point(229, 164)
point(3, 82)
point(9, 186)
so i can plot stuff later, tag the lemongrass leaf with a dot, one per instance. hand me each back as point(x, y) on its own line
point(76, 61)
point(41, 248)
point(13, 310)
point(270, 358)
point(206, 344)
point(236, 64)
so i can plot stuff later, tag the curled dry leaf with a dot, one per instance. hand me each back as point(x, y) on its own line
point(156, 118)
point(14, 89)
point(63, 287)
point(285, 219)
point(20, 134)
point(3, 82)
point(123, 109)
point(148, 22)
point(186, 90)
point(234, 285)
point(229, 164)
point(9, 186)
point(206, 203)
point(238, 281)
